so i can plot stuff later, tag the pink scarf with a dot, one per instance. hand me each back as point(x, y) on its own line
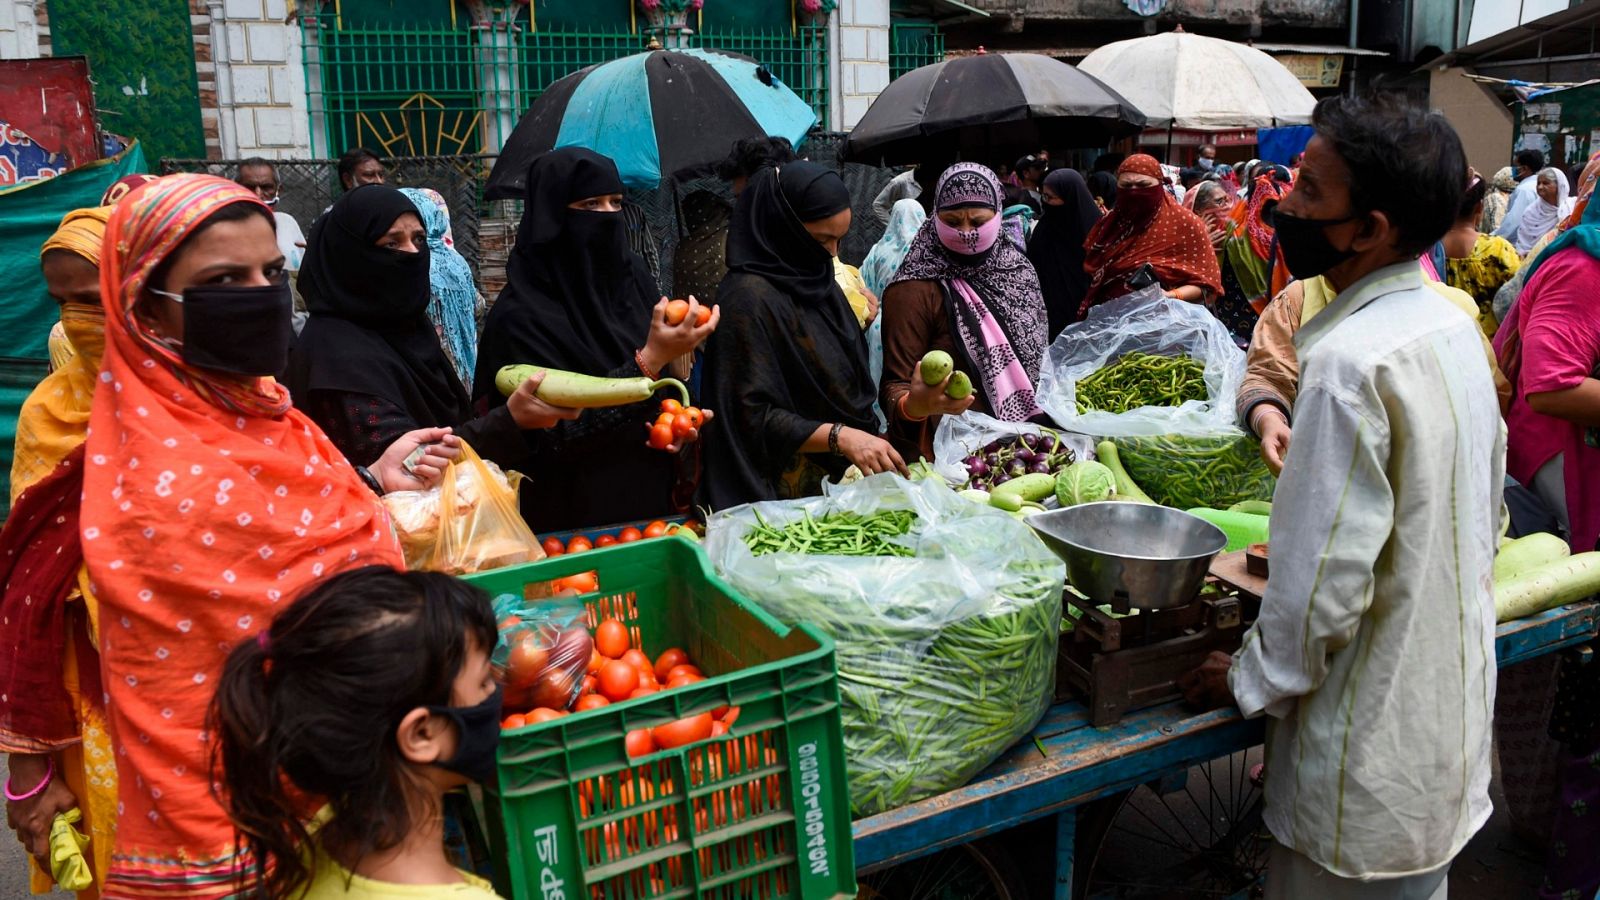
point(1006, 382)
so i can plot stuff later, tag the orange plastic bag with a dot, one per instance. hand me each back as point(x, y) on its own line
point(469, 523)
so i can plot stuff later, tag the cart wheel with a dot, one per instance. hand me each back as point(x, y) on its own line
point(981, 870)
point(1196, 836)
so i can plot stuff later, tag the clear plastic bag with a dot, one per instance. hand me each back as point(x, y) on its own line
point(543, 652)
point(946, 658)
point(1149, 322)
point(961, 436)
point(469, 523)
point(1185, 471)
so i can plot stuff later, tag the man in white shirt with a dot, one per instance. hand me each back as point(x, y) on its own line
point(1374, 652)
point(261, 176)
point(1528, 162)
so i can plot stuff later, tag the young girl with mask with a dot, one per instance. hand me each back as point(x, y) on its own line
point(315, 706)
point(964, 291)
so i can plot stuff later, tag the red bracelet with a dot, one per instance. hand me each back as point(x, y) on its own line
point(638, 358)
point(37, 789)
point(901, 406)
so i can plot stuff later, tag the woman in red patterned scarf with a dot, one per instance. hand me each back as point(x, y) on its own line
point(1148, 227)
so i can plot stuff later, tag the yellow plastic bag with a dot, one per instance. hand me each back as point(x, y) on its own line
point(469, 523)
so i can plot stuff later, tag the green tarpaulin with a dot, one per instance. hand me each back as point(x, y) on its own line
point(29, 214)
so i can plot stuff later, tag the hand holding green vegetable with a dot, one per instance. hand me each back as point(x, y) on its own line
point(531, 412)
point(869, 453)
point(934, 399)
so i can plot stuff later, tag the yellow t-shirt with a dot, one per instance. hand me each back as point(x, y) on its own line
point(335, 882)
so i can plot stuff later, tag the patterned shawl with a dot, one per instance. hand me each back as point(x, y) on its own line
point(453, 307)
point(1173, 241)
point(998, 288)
point(207, 501)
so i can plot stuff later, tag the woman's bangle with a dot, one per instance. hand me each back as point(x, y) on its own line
point(833, 438)
point(638, 358)
point(901, 406)
point(44, 782)
point(370, 480)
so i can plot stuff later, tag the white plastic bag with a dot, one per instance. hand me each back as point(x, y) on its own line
point(1149, 322)
point(961, 436)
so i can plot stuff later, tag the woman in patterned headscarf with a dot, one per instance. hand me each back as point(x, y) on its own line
point(206, 500)
point(1252, 266)
point(1495, 200)
point(454, 304)
point(963, 290)
point(1148, 227)
point(50, 427)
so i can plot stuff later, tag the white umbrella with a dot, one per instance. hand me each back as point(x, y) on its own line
point(1183, 80)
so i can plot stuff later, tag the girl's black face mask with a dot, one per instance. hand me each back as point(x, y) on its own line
point(477, 737)
point(239, 330)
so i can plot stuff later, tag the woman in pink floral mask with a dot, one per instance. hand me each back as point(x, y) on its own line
point(964, 291)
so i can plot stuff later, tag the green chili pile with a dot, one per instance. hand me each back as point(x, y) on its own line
point(1142, 379)
point(836, 534)
point(1181, 471)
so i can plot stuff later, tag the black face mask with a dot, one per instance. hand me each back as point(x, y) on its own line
point(1306, 248)
point(241, 330)
point(477, 737)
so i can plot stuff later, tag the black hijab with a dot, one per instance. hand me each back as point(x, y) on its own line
point(1056, 247)
point(788, 355)
point(369, 331)
point(1103, 185)
point(576, 298)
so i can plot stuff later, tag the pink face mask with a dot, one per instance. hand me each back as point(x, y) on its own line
point(968, 243)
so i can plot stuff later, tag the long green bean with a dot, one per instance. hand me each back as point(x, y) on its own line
point(1142, 379)
point(837, 534)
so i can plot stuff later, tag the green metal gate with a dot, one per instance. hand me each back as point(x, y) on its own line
point(913, 45)
point(434, 90)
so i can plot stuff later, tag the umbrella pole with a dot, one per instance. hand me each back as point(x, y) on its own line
point(1168, 159)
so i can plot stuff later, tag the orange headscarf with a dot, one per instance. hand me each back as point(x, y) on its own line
point(1173, 241)
point(207, 503)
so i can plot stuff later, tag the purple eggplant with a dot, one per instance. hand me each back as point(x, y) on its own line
point(1039, 468)
point(1016, 468)
point(977, 468)
point(998, 479)
point(994, 446)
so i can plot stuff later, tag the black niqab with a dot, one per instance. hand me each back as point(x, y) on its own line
point(369, 331)
point(1056, 247)
point(788, 355)
point(576, 298)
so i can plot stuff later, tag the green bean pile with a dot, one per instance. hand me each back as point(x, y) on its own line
point(837, 534)
point(1142, 379)
point(1185, 472)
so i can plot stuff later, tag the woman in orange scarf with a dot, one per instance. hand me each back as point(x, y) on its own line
point(45, 644)
point(207, 501)
point(1148, 227)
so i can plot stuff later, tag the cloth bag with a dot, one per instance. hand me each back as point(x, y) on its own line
point(946, 657)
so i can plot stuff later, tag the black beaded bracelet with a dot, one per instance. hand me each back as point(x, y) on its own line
point(370, 480)
point(833, 438)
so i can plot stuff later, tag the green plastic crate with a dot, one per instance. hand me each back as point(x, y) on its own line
point(761, 813)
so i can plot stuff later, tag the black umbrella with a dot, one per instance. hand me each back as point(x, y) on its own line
point(977, 107)
point(657, 114)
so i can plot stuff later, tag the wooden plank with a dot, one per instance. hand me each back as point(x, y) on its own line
point(1546, 632)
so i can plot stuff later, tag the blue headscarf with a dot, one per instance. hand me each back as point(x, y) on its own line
point(878, 269)
point(454, 302)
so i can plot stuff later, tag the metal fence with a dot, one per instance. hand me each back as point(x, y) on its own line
point(912, 45)
point(431, 90)
point(309, 186)
point(485, 232)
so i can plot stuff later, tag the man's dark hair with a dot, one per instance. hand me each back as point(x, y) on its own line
point(1530, 159)
point(751, 155)
point(1404, 161)
point(1204, 147)
point(1108, 162)
point(353, 158)
point(256, 162)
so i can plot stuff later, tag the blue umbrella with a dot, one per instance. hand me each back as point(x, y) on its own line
point(661, 113)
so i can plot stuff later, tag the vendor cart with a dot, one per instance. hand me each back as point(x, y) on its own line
point(1125, 777)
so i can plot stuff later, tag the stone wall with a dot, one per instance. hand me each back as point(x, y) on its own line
point(861, 68)
point(24, 29)
point(252, 80)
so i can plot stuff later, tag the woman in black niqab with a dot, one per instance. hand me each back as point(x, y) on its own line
point(1056, 246)
point(788, 372)
point(578, 299)
point(367, 367)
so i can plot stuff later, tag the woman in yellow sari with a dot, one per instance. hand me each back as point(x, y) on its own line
point(50, 427)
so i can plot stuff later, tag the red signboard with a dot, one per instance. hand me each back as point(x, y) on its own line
point(52, 102)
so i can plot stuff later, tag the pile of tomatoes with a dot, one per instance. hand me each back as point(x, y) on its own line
point(616, 670)
point(579, 543)
point(676, 425)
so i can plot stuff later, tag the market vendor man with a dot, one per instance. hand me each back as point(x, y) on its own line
point(1373, 654)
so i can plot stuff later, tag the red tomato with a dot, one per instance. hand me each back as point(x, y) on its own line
point(515, 720)
point(660, 438)
point(591, 701)
point(640, 742)
point(718, 729)
point(645, 690)
point(629, 535)
point(684, 669)
point(605, 540)
point(677, 311)
point(670, 405)
point(683, 731)
point(527, 661)
point(666, 418)
point(544, 714)
point(731, 717)
point(655, 529)
point(590, 682)
point(618, 680)
point(684, 427)
point(555, 688)
point(670, 658)
point(682, 680)
point(579, 544)
point(702, 316)
point(695, 415)
point(639, 661)
point(508, 623)
point(595, 662)
point(554, 547)
point(583, 583)
point(611, 638)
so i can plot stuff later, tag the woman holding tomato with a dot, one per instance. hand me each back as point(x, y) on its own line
point(578, 299)
point(790, 374)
